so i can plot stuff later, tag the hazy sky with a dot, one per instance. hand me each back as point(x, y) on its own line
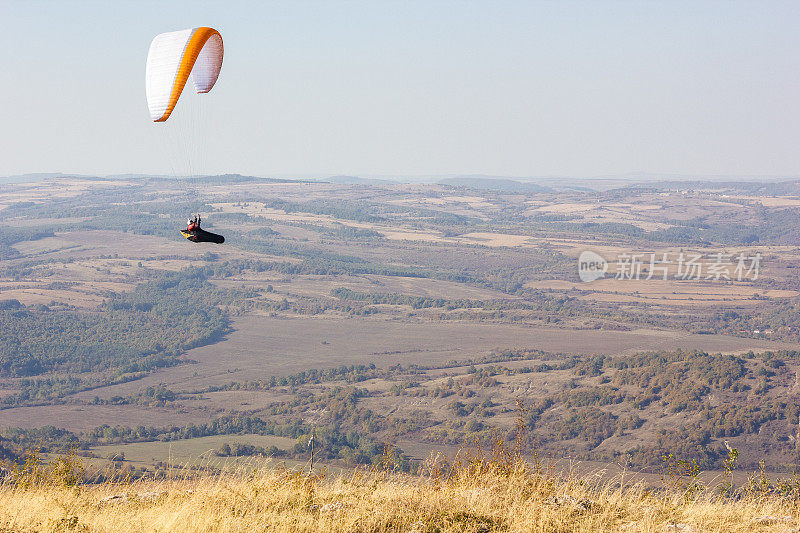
point(411, 88)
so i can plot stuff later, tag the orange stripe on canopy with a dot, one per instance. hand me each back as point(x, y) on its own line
point(193, 48)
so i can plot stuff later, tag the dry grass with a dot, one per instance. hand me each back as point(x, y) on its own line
point(494, 494)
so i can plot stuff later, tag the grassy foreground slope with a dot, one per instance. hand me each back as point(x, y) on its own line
point(475, 495)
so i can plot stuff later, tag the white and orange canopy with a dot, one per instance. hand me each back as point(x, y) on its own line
point(172, 57)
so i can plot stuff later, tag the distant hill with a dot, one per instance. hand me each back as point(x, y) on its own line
point(23, 178)
point(357, 180)
point(217, 178)
point(493, 184)
point(238, 178)
point(139, 176)
point(787, 187)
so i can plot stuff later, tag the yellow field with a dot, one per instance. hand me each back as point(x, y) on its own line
point(766, 201)
point(495, 239)
point(317, 285)
point(476, 496)
point(57, 188)
point(198, 451)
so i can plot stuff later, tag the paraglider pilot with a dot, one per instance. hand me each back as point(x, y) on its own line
point(196, 234)
point(193, 223)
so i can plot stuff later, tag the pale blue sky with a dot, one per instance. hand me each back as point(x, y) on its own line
point(413, 88)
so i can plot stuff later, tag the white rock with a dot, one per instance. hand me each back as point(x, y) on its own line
point(152, 495)
point(683, 528)
point(330, 507)
point(417, 527)
point(116, 498)
point(583, 505)
point(768, 519)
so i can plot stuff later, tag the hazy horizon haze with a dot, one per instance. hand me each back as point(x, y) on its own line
point(438, 88)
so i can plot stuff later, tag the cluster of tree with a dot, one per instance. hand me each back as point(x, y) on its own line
point(11, 236)
point(238, 449)
point(415, 302)
point(679, 379)
point(538, 304)
point(592, 396)
point(590, 424)
point(747, 419)
point(7, 454)
point(50, 388)
point(774, 227)
point(139, 331)
point(45, 438)
point(341, 209)
point(346, 373)
point(545, 307)
point(157, 396)
point(690, 442)
point(340, 231)
point(227, 425)
point(331, 443)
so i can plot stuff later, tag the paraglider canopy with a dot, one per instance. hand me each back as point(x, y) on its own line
point(170, 60)
point(172, 57)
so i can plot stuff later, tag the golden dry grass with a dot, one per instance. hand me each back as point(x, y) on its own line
point(477, 496)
